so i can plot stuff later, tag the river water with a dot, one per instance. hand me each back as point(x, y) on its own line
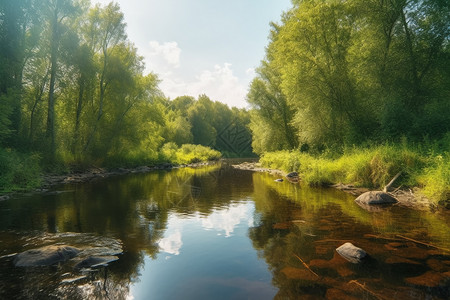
point(215, 232)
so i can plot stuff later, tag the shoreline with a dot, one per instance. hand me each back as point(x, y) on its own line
point(95, 173)
point(410, 198)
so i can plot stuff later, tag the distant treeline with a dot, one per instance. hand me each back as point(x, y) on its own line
point(73, 91)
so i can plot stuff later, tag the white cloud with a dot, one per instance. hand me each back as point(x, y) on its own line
point(227, 219)
point(162, 58)
point(171, 244)
point(218, 83)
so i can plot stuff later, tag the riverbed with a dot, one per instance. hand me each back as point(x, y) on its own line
point(215, 232)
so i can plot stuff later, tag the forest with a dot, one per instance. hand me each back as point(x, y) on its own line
point(356, 91)
point(73, 94)
point(349, 91)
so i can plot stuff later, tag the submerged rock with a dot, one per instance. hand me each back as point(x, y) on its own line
point(430, 279)
point(95, 261)
point(375, 198)
point(45, 256)
point(352, 253)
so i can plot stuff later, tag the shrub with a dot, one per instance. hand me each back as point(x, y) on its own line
point(19, 171)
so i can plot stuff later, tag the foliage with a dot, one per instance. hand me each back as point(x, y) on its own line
point(18, 171)
point(349, 72)
point(212, 124)
point(370, 167)
point(188, 153)
point(73, 89)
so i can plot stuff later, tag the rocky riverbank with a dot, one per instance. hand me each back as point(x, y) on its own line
point(91, 174)
point(406, 197)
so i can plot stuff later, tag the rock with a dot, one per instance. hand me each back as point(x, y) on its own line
point(72, 280)
point(45, 256)
point(376, 198)
point(337, 294)
point(372, 208)
point(352, 253)
point(296, 273)
point(396, 260)
point(95, 261)
point(337, 263)
point(437, 265)
point(412, 252)
point(4, 197)
point(292, 175)
point(429, 279)
point(282, 225)
point(278, 180)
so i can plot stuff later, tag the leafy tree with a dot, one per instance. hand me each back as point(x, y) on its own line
point(352, 71)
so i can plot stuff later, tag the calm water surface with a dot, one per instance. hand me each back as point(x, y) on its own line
point(219, 233)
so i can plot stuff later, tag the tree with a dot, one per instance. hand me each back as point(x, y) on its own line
point(351, 71)
point(105, 30)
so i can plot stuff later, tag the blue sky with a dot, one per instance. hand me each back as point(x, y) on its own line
point(202, 46)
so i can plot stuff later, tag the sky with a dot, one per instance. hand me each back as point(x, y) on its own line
point(199, 47)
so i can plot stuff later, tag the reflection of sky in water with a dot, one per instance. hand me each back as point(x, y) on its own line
point(171, 244)
point(206, 256)
point(223, 220)
point(227, 219)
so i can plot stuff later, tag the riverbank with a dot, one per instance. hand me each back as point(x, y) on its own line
point(24, 172)
point(411, 197)
point(49, 180)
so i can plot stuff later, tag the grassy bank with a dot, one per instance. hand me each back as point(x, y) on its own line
point(22, 171)
point(372, 167)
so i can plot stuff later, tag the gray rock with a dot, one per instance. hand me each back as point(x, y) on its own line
point(352, 253)
point(292, 175)
point(4, 197)
point(376, 198)
point(95, 261)
point(45, 256)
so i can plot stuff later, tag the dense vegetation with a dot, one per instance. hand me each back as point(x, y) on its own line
point(367, 74)
point(73, 92)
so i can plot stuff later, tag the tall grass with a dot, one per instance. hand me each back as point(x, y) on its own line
point(435, 179)
point(371, 167)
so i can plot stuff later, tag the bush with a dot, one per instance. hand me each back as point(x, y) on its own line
point(189, 153)
point(19, 171)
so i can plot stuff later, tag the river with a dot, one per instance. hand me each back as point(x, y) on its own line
point(215, 232)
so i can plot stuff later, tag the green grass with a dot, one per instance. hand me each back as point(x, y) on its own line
point(371, 167)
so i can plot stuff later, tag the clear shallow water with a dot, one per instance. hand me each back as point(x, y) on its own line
point(219, 233)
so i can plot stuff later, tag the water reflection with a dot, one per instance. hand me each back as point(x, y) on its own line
point(216, 232)
point(225, 220)
point(302, 226)
point(171, 244)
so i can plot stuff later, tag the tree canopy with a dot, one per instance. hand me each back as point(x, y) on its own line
point(345, 72)
point(73, 89)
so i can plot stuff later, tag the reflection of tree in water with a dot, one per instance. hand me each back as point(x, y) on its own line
point(312, 224)
point(133, 209)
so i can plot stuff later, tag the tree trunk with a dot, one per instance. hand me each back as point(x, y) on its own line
point(50, 133)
